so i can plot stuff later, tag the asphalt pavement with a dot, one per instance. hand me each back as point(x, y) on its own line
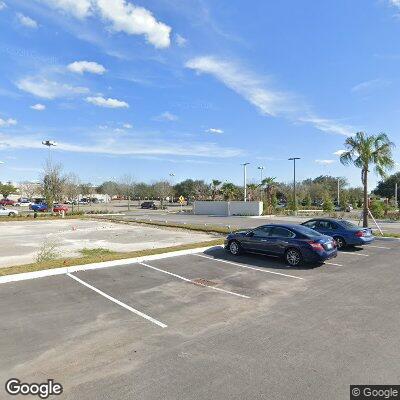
point(208, 326)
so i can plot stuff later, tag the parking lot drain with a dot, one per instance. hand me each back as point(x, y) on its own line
point(205, 282)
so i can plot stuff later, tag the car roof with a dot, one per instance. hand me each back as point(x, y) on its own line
point(289, 226)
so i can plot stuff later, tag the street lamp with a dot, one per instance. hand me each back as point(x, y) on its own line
point(171, 174)
point(244, 179)
point(49, 144)
point(294, 181)
point(261, 168)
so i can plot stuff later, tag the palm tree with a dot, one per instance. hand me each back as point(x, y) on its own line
point(228, 190)
point(268, 184)
point(252, 188)
point(214, 188)
point(364, 151)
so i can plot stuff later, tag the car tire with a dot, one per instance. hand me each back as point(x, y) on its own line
point(293, 257)
point(11, 214)
point(234, 248)
point(340, 242)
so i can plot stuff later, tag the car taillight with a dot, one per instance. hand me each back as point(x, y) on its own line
point(359, 234)
point(316, 245)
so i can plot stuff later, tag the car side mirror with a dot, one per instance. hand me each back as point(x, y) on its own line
point(250, 233)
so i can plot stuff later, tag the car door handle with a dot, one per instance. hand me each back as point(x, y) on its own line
point(263, 240)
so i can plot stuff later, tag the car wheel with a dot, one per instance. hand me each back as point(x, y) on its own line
point(11, 214)
point(234, 248)
point(293, 257)
point(340, 242)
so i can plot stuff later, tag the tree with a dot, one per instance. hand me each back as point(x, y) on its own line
point(126, 187)
point(109, 188)
point(269, 184)
point(52, 184)
point(252, 189)
point(364, 151)
point(229, 191)
point(162, 190)
point(328, 203)
point(71, 188)
point(29, 189)
point(386, 187)
point(215, 188)
point(7, 189)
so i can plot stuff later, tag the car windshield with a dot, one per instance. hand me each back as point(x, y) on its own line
point(348, 224)
point(307, 231)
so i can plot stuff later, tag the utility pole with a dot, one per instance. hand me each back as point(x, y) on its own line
point(49, 144)
point(261, 168)
point(338, 192)
point(294, 181)
point(245, 179)
point(395, 195)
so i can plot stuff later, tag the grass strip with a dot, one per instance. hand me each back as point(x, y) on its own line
point(191, 227)
point(95, 255)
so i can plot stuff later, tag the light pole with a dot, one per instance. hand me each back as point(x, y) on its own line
point(261, 168)
point(338, 192)
point(294, 181)
point(49, 144)
point(1, 162)
point(395, 196)
point(245, 179)
point(171, 174)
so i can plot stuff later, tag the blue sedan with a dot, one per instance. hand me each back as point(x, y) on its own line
point(295, 243)
point(344, 232)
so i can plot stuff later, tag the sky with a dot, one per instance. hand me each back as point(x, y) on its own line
point(195, 88)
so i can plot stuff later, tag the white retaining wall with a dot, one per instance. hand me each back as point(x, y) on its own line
point(227, 208)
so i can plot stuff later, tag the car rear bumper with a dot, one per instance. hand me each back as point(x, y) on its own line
point(320, 257)
point(361, 241)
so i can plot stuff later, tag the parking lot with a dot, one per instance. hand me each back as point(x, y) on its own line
point(209, 325)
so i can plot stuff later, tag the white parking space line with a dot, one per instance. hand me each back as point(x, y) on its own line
point(379, 247)
point(194, 282)
point(354, 254)
point(129, 308)
point(336, 265)
point(247, 266)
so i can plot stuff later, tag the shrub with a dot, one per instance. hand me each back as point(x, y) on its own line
point(377, 209)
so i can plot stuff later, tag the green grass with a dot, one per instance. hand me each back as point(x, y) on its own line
point(90, 256)
point(387, 234)
point(224, 230)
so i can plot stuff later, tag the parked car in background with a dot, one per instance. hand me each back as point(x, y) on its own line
point(39, 207)
point(149, 205)
point(7, 212)
point(7, 202)
point(42, 207)
point(60, 208)
point(23, 202)
point(345, 233)
point(295, 243)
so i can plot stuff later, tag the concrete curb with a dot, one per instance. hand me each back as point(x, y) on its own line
point(106, 264)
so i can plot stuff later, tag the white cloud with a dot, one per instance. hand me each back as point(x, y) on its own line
point(167, 116)
point(26, 21)
point(107, 102)
point(4, 123)
point(123, 16)
point(47, 89)
point(127, 126)
point(214, 130)
point(180, 40)
point(77, 8)
point(325, 162)
point(372, 84)
point(395, 3)
point(260, 94)
point(38, 107)
point(339, 152)
point(268, 101)
point(126, 146)
point(2, 5)
point(328, 125)
point(80, 67)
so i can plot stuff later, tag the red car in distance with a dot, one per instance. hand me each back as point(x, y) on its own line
point(60, 208)
point(7, 202)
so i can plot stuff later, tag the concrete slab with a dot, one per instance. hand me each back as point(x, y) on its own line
point(21, 240)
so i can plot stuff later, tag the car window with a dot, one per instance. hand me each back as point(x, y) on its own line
point(262, 231)
point(348, 225)
point(282, 232)
point(327, 225)
point(307, 231)
point(310, 224)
